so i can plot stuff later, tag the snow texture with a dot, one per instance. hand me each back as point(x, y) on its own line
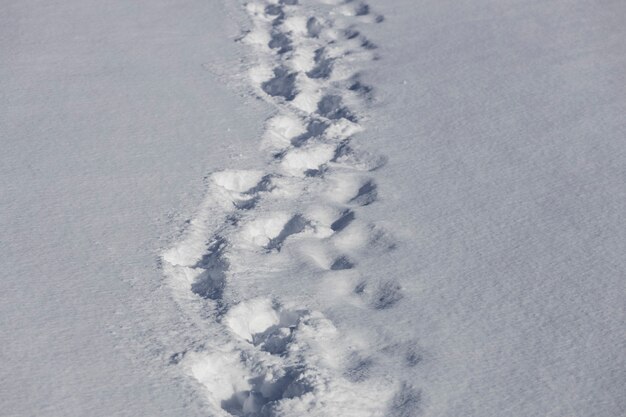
point(382, 208)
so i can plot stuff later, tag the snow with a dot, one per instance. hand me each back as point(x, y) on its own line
point(313, 207)
point(106, 137)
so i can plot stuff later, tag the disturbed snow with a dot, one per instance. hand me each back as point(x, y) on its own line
point(270, 249)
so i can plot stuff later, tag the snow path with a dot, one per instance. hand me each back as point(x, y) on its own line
point(278, 355)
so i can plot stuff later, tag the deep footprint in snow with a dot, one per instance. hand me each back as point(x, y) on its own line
point(360, 88)
point(264, 323)
point(313, 27)
point(280, 42)
point(295, 225)
point(323, 65)
point(250, 383)
point(341, 263)
point(283, 84)
point(242, 386)
point(315, 128)
point(366, 195)
point(331, 106)
point(343, 221)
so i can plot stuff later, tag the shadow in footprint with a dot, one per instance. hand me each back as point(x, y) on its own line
point(295, 225)
point(246, 204)
point(363, 160)
point(265, 391)
point(277, 11)
point(281, 42)
point(313, 27)
point(343, 221)
point(331, 107)
point(175, 358)
point(315, 172)
point(315, 128)
point(361, 89)
point(366, 195)
point(341, 263)
point(211, 282)
point(362, 10)
point(323, 65)
point(282, 85)
point(351, 33)
point(265, 184)
point(367, 44)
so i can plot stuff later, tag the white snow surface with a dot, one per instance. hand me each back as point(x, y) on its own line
point(278, 208)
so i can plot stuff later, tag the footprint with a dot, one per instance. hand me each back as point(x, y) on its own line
point(323, 65)
point(295, 225)
point(280, 42)
point(360, 88)
point(243, 187)
point(367, 44)
point(360, 10)
point(212, 280)
point(246, 204)
point(243, 385)
point(346, 155)
point(351, 33)
point(275, 11)
point(347, 216)
point(261, 230)
point(264, 324)
point(315, 128)
point(299, 160)
point(264, 185)
point(283, 84)
point(224, 376)
point(249, 382)
point(313, 27)
point(252, 317)
point(331, 107)
point(282, 129)
point(341, 263)
point(366, 195)
point(238, 181)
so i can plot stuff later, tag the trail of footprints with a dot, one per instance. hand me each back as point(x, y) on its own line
point(276, 357)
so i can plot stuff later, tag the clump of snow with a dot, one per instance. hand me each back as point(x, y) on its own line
point(237, 180)
point(252, 317)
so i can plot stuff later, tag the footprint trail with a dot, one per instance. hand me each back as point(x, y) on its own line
point(295, 224)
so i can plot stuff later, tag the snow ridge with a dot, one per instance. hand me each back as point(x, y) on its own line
point(296, 222)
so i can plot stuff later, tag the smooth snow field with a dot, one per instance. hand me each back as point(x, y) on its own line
point(281, 208)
